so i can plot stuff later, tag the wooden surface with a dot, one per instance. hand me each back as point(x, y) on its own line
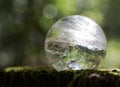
point(46, 77)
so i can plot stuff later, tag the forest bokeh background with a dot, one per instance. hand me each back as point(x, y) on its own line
point(24, 25)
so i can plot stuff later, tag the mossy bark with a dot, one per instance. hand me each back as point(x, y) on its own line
point(46, 77)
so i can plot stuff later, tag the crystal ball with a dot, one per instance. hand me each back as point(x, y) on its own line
point(75, 42)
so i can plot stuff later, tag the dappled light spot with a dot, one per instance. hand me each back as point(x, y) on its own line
point(20, 6)
point(50, 11)
point(6, 58)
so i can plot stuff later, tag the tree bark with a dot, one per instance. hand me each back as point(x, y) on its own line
point(48, 77)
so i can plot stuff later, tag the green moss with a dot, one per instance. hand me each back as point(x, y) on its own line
point(16, 69)
point(44, 77)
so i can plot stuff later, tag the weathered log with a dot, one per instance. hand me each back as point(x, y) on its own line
point(47, 77)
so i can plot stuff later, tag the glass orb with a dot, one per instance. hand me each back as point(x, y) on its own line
point(75, 42)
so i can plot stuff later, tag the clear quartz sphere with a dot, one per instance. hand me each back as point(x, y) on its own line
point(75, 42)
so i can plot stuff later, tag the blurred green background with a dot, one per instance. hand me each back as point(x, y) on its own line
point(24, 25)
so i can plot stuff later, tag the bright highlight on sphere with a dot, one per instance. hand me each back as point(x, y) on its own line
point(75, 42)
